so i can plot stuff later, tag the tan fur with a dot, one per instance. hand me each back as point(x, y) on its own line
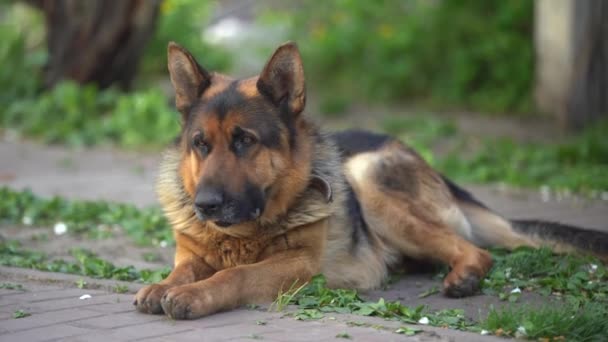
point(219, 84)
point(427, 217)
point(491, 229)
point(248, 88)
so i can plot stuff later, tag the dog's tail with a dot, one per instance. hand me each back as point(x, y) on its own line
point(489, 229)
point(564, 237)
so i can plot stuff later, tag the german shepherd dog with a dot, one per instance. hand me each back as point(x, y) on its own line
point(260, 199)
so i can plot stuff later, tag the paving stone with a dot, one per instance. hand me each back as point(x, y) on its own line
point(54, 332)
point(35, 296)
point(132, 332)
point(47, 318)
point(111, 321)
point(188, 336)
point(61, 303)
point(122, 306)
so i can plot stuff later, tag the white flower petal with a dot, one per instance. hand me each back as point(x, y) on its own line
point(26, 220)
point(60, 228)
point(424, 320)
point(85, 296)
point(521, 331)
point(516, 290)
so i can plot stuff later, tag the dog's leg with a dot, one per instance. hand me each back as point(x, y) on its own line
point(425, 239)
point(410, 208)
point(189, 268)
point(289, 262)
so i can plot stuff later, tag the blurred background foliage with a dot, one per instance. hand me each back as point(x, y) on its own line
point(455, 55)
point(183, 21)
point(460, 54)
point(83, 115)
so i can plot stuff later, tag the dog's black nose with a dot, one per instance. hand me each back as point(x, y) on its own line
point(209, 202)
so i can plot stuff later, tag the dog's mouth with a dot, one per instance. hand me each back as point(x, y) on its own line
point(223, 224)
point(228, 218)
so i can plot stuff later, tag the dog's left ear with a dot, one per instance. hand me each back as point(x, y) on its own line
point(283, 78)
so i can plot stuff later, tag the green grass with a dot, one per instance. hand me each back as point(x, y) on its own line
point(81, 284)
point(452, 53)
point(82, 115)
point(577, 164)
point(86, 264)
point(11, 286)
point(576, 285)
point(578, 279)
point(182, 21)
point(567, 322)
point(93, 219)
point(84, 218)
point(315, 300)
point(21, 314)
point(120, 289)
point(79, 115)
point(408, 331)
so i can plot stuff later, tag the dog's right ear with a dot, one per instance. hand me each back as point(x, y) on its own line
point(188, 77)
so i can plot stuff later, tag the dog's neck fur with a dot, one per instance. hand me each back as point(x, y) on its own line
point(310, 206)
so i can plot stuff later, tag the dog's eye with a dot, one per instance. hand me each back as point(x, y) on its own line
point(243, 141)
point(199, 143)
point(247, 140)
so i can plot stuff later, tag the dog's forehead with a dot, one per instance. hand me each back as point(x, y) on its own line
point(228, 103)
point(247, 88)
point(225, 96)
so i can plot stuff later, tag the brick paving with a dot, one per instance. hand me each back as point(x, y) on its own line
point(57, 313)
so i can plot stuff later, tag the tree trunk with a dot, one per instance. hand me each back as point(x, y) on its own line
point(96, 41)
point(587, 99)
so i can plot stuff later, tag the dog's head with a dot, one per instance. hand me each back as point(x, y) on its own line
point(242, 159)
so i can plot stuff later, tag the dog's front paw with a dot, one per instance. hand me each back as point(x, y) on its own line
point(148, 299)
point(187, 302)
point(464, 279)
point(463, 287)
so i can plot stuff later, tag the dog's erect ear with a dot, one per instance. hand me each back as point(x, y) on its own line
point(283, 78)
point(188, 77)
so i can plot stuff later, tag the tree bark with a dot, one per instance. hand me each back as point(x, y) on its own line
point(96, 41)
point(587, 99)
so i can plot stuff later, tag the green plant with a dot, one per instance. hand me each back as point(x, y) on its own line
point(285, 298)
point(316, 299)
point(10, 286)
point(120, 288)
point(408, 331)
point(81, 284)
point(82, 115)
point(462, 53)
point(576, 278)
point(577, 164)
point(87, 264)
point(183, 21)
point(79, 115)
point(89, 218)
point(21, 52)
point(566, 322)
point(21, 314)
